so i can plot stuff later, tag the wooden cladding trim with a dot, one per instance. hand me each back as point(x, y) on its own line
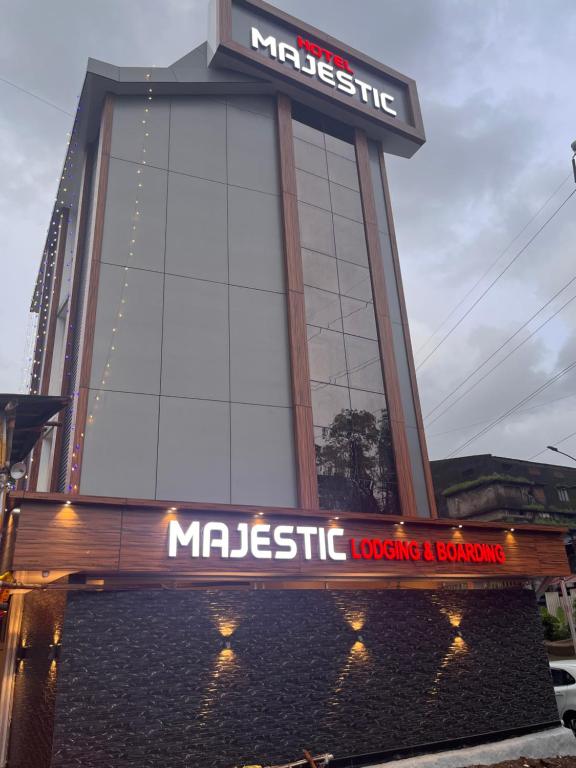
point(66, 386)
point(100, 539)
point(299, 364)
point(407, 340)
point(92, 293)
point(153, 505)
point(384, 326)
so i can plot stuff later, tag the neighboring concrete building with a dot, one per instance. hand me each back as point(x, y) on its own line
point(231, 542)
point(486, 487)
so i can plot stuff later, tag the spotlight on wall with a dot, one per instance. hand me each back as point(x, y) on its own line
point(460, 526)
point(21, 654)
point(54, 651)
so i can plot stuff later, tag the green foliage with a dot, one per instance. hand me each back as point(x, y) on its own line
point(549, 623)
point(467, 485)
point(555, 627)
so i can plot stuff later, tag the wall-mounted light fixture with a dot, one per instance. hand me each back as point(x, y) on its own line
point(21, 654)
point(54, 651)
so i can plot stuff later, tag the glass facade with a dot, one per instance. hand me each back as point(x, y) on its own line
point(352, 434)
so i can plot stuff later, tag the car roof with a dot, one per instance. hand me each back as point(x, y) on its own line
point(569, 663)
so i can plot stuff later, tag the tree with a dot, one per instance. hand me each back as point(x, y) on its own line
point(355, 463)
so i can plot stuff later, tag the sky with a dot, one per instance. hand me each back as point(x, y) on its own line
point(496, 84)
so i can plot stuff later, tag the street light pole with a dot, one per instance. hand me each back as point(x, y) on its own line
point(553, 448)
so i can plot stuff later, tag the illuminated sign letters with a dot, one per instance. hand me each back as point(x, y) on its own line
point(261, 540)
point(313, 60)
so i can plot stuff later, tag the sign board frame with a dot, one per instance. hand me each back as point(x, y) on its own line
point(399, 135)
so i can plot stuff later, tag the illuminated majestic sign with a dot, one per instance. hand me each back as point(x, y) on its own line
point(285, 542)
point(315, 61)
point(261, 540)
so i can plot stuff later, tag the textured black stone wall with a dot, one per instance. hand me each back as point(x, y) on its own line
point(145, 679)
point(30, 743)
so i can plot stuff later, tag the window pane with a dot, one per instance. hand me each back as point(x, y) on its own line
point(352, 434)
point(364, 369)
point(323, 309)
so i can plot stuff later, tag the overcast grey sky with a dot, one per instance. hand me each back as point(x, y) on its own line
point(496, 82)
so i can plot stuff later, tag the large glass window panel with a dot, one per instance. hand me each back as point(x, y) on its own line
point(364, 368)
point(346, 202)
point(354, 281)
point(358, 318)
point(327, 358)
point(342, 171)
point(313, 189)
point(352, 435)
point(320, 271)
point(316, 229)
point(350, 240)
point(323, 309)
point(310, 158)
point(328, 401)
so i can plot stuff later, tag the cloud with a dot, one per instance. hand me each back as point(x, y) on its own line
point(494, 82)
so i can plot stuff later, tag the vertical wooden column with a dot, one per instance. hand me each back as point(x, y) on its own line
point(300, 369)
point(66, 385)
point(407, 341)
point(384, 326)
point(91, 293)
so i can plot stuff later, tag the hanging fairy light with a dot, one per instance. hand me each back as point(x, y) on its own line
point(119, 317)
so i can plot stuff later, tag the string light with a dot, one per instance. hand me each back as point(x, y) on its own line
point(136, 218)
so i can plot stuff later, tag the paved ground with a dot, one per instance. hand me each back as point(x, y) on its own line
point(552, 748)
point(531, 762)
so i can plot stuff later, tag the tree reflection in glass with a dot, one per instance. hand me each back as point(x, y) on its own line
point(355, 463)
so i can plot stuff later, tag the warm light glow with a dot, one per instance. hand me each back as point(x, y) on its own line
point(356, 619)
point(67, 514)
point(454, 618)
point(227, 627)
point(358, 652)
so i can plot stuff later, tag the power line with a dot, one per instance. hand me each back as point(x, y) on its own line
point(492, 265)
point(507, 341)
point(510, 411)
point(557, 442)
point(35, 96)
point(500, 362)
point(486, 421)
point(496, 279)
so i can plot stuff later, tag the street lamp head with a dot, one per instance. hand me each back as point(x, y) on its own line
point(573, 146)
point(552, 447)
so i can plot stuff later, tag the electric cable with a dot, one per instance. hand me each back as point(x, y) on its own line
point(35, 96)
point(496, 279)
point(486, 421)
point(499, 363)
point(492, 265)
point(556, 442)
point(504, 343)
point(514, 408)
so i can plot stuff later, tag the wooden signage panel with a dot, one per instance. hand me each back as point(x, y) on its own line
point(299, 544)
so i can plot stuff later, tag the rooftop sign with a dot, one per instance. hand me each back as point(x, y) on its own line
point(317, 70)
